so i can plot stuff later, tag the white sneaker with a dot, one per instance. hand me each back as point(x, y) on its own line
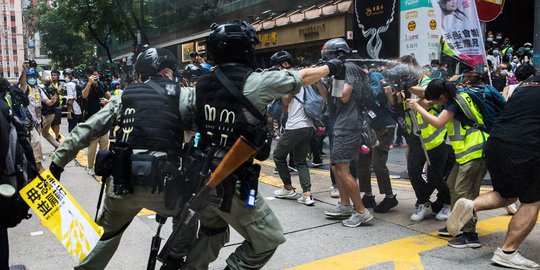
point(335, 192)
point(443, 214)
point(511, 209)
point(90, 171)
point(461, 214)
point(307, 200)
point(284, 193)
point(420, 212)
point(514, 260)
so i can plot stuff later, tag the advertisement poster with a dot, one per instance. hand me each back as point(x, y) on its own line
point(64, 217)
point(376, 28)
point(419, 35)
point(460, 28)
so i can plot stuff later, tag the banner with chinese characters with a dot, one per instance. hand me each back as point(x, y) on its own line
point(64, 217)
point(419, 34)
point(460, 28)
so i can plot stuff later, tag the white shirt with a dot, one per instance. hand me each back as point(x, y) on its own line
point(71, 91)
point(296, 117)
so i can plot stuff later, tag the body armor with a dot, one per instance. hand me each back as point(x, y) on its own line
point(140, 127)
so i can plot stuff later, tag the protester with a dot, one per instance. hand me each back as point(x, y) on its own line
point(466, 177)
point(513, 161)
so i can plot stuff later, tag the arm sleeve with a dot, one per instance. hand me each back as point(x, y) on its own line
point(263, 87)
point(80, 137)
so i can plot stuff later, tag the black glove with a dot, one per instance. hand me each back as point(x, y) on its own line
point(56, 170)
point(336, 68)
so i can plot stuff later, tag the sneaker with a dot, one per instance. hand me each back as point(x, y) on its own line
point(420, 212)
point(369, 201)
point(293, 169)
point(443, 214)
point(275, 171)
point(340, 211)
point(511, 209)
point(514, 260)
point(386, 204)
point(284, 193)
point(90, 171)
point(316, 164)
point(335, 192)
point(461, 214)
point(466, 240)
point(444, 232)
point(357, 219)
point(307, 200)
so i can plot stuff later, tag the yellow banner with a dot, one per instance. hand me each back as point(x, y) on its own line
point(64, 217)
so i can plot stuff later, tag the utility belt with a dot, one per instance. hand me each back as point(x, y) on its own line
point(160, 173)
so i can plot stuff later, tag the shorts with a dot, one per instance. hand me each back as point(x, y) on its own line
point(514, 170)
point(345, 145)
point(57, 116)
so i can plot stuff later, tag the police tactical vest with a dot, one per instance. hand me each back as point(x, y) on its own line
point(220, 118)
point(150, 118)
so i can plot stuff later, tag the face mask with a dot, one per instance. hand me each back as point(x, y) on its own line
point(489, 39)
point(499, 37)
point(434, 69)
point(495, 52)
point(527, 49)
point(31, 81)
point(515, 61)
point(504, 72)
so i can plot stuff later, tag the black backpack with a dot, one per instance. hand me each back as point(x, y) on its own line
point(17, 165)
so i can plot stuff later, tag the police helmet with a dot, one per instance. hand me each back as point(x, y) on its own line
point(68, 71)
point(335, 48)
point(193, 71)
point(232, 43)
point(280, 57)
point(153, 60)
point(32, 72)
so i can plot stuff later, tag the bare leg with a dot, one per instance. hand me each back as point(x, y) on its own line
point(344, 200)
point(491, 200)
point(348, 185)
point(521, 225)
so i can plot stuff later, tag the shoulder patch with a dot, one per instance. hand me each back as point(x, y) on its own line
point(171, 89)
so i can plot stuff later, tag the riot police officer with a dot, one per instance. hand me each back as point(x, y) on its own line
point(149, 141)
point(222, 116)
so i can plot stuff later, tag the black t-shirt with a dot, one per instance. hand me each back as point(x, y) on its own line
point(519, 123)
point(92, 101)
point(499, 82)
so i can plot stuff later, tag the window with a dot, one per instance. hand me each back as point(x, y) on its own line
point(7, 64)
point(12, 18)
point(13, 30)
point(13, 41)
point(14, 52)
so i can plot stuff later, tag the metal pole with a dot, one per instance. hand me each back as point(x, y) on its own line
point(536, 39)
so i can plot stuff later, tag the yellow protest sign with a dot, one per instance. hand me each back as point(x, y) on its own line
point(64, 217)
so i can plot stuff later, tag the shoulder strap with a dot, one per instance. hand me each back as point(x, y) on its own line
point(238, 94)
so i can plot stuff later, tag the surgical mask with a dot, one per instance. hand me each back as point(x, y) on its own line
point(489, 39)
point(31, 81)
point(504, 72)
point(434, 69)
point(527, 49)
point(495, 52)
point(499, 37)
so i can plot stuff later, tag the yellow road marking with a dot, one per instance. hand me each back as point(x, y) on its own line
point(405, 252)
